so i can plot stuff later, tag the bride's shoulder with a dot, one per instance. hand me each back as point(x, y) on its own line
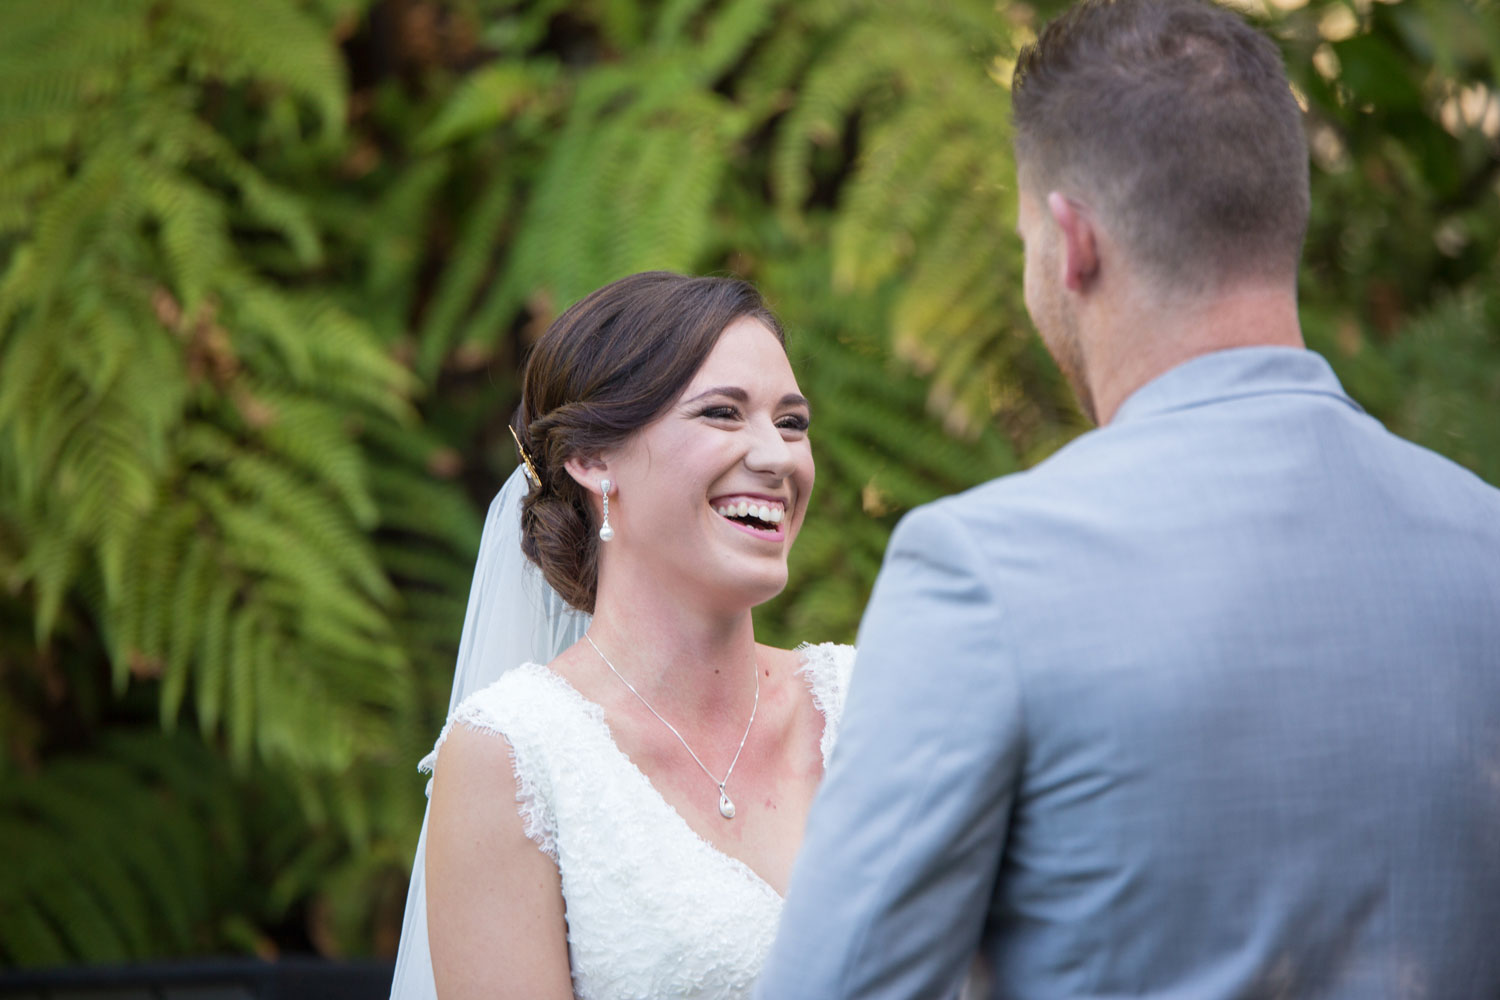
point(832, 658)
point(820, 663)
point(517, 706)
point(841, 652)
point(493, 701)
point(827, 667)
point(504, 742)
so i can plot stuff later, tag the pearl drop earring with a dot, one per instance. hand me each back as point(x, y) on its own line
point(605, 531)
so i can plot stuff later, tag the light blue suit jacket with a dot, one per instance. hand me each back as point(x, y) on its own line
point(1205, 706)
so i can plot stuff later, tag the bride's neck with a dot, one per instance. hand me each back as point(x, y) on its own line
point(679, 656)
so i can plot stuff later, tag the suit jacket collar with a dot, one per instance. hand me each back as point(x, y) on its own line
point(1234, 374)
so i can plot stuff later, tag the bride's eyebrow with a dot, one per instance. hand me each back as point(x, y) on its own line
point(739, 395)
point(733, 392)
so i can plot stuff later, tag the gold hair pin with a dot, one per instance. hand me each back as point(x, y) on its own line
point(536, 480)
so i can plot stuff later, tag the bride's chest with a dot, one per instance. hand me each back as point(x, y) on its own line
point(756, 817)
point(653, 908)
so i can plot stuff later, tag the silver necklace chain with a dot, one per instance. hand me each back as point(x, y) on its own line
point(726, 805)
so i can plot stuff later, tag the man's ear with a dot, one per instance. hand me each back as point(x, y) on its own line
point(1079, 259)
point(588, 471)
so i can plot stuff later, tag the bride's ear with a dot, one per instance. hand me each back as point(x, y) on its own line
point(588, 471)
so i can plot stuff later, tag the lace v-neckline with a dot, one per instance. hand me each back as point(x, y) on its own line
point(595, 712)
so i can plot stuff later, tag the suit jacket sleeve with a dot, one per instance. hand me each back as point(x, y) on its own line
point(890, 892)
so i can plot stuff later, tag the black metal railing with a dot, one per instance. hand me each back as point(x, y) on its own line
point(206, 979)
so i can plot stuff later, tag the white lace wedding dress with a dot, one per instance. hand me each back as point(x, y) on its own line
point(653, 909)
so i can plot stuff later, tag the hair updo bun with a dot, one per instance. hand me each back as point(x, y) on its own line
point(608, 366)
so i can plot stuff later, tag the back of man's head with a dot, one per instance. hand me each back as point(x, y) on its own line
point(1174, 121)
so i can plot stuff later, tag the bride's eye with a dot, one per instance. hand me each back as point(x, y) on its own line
point(721, 413)
point(794, 422)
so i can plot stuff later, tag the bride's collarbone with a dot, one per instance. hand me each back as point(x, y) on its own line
point(772, 763)
point(772, 781)
point(770, 788)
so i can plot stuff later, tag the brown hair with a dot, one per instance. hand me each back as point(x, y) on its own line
point(1177, 118)
point(608, 366)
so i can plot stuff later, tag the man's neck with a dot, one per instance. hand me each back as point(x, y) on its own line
point(1148, 337)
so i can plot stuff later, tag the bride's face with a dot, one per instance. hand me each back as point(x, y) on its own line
point(735, 440)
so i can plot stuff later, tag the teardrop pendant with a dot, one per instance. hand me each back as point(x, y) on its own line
point(726, 807)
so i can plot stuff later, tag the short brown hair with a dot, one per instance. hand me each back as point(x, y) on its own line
point(608, 366)
point(1176, 117)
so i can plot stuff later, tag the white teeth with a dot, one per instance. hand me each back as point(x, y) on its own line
point(744, 508)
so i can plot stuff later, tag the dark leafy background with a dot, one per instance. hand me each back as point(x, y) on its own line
point(266, 272)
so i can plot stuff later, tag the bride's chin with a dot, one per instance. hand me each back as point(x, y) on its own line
point(771, 590)
point(747, 590)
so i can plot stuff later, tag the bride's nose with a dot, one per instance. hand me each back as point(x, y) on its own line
point(769, 452)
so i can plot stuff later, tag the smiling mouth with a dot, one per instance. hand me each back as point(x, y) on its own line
point(757, 515)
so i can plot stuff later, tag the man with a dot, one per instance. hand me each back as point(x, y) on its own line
point(1207, 705)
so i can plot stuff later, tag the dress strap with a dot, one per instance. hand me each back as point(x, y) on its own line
point(827, 667)
point(528, 708)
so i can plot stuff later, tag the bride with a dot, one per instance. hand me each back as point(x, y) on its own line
point(621, 821)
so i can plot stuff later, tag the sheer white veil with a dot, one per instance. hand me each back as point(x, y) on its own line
point(514, 617)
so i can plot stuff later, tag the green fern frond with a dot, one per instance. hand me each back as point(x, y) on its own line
point(26, 186)
point(212, 661)
point(57, 57)
point(195, 579)
point(99, 890)
point(1437, 382)
point(192, 227)
point(728, 35)
point(316, 439)
point(145, 847)
point(628, 186)
point(461, 281)
point(272, 42)
point(929, 198)
point(183, 455)
point(487, 98)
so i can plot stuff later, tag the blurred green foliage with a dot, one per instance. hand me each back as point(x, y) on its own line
point(266, 272)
